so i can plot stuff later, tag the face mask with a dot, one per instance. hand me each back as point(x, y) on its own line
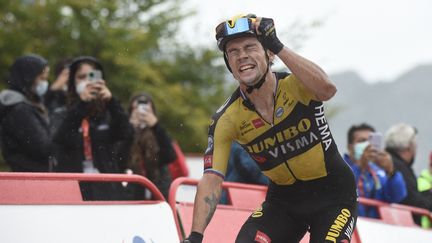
point(359, 149)
point(41, 88)
point(81, 87)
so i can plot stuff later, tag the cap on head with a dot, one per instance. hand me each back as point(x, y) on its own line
point(238, 26)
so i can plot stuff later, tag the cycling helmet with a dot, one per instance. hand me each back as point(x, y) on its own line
point(238, 26)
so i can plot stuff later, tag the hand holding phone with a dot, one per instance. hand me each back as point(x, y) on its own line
point(94, 75)
point(143, 108)
point(375, 140)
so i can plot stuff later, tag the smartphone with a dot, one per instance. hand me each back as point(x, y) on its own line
point(143, 108)
point(94, 75)
point(376, 140)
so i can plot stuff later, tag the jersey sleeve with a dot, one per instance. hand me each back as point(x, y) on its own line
point(221, 135)
point(302, 94)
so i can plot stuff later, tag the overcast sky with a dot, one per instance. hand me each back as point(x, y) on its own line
point(379, 39)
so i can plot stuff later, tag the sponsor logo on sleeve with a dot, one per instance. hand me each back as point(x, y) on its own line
point(208, 161)
point(209, 144)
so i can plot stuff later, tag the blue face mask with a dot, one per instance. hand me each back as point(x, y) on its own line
point(41, 88)
point(359, 149)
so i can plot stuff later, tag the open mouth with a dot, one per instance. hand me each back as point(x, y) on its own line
point(246, 67)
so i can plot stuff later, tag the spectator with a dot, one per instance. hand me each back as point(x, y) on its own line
point(424, 183)
point(400, 141)
point(242, 168)
point(94, 122)
point(152, 149)
point(55, 99)
point(374, 172)
point(26, 142)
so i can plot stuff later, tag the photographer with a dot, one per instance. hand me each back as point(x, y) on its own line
point(94, 123)
point(152, 150)
point(375, 175)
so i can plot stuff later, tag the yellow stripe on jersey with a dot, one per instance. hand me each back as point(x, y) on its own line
point(309, 165)
point(280, 175)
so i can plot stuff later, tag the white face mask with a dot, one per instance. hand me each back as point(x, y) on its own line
point(41, 88)
point(81, 87)
point(359, 149)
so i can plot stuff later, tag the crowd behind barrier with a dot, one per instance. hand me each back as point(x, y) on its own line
point(76, 125)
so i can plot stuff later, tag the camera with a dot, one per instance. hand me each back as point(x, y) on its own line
point(142, 108)
point(94, 75)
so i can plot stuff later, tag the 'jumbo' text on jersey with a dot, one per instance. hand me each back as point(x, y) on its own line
point(298, 146)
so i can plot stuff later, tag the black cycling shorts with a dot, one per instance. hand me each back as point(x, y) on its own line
point(278, 223)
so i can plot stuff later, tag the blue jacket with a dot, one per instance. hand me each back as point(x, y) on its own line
point(375, 184)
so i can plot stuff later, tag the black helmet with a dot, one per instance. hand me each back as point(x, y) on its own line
point(237, 26)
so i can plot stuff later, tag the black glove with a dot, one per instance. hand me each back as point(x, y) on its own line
point(194, 237)
point(269, 38)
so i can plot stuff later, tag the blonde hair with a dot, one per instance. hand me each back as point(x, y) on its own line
point(400, 136)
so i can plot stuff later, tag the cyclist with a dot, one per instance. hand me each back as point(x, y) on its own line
point(279, 119)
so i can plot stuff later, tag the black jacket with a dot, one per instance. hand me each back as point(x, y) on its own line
point(106, 129)
point(26, 142)
point(414, 197)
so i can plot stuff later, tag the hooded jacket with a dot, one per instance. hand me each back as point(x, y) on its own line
point(26, 141)
point(106, 129)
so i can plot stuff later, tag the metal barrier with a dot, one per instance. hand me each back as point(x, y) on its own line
point(61, 188)
point(48, 207)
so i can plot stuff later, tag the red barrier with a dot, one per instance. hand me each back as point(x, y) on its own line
point(245, 199)
point(397, 214)
point(236, 213)
point(62, 188)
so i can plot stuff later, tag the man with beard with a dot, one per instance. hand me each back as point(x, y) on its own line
point(94, 122)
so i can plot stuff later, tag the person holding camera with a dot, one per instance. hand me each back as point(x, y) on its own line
point(151, 150)
point(25, 135)
point(279, 119)
point(94, 122)
point(375, 174)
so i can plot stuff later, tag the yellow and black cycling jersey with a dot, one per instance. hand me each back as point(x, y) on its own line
point(298, 146)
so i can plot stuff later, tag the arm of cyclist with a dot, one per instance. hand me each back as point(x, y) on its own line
point(206, 200)
point(310, 74)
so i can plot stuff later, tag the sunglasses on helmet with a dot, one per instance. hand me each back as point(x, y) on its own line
point(232, 27)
